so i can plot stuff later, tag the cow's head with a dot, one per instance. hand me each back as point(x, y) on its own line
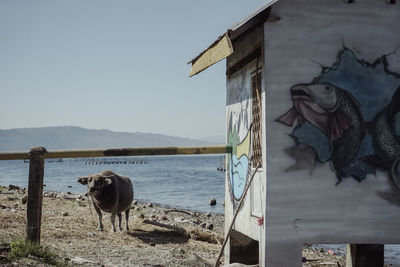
point(95, 182)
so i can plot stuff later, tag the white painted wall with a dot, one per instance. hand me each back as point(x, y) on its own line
point(303, 208)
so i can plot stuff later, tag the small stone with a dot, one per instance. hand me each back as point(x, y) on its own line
point(24, 199)
point(16, 205)
point(203, 225)
point(208, 214)
point(210, 226)
point(153, 244)
point(65, 214)
point(153, 216)
point(141, 215)
point(213, 202)
point(150, 205)
point(91, 234)
point(68, 193)
point(134, 202)
point(13, 187)
point(164, 218)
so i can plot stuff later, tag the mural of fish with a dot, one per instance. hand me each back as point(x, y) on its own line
point(335, 112)
point(385, 141)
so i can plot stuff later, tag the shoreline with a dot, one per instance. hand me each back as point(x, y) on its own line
point(164, 236)
point(159, 235)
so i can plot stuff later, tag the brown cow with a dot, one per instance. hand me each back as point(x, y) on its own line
point(110, 192)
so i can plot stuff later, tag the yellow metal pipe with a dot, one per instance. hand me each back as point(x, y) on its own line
point(118, 152)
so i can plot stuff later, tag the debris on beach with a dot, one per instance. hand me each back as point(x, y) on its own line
point(213, 202)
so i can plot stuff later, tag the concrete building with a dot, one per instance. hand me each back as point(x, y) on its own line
point(312, 93)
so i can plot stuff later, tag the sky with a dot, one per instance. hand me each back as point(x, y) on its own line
point(114, 64)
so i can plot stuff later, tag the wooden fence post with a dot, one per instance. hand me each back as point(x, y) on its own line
point(35, 194)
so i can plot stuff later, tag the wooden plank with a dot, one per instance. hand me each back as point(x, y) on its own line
point(14, 155)
point(217, 52)
point(115, 152)
point(35, 194)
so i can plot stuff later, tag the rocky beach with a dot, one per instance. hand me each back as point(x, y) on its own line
point(158, 235)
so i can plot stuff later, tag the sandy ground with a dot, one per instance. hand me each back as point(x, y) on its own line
point(158, 236)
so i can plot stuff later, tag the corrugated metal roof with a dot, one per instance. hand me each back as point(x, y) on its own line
point(258, 16)
point(252, 15)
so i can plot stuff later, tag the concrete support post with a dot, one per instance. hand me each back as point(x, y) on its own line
point(35, 194)
point(365, 255)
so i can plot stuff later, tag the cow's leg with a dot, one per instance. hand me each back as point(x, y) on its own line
point(127, 219)
point(113, 214)
point(119, 220)
point(100, 217)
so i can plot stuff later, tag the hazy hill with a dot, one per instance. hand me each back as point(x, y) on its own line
point(70, 137)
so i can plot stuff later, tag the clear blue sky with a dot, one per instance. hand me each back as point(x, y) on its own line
point(116, 64)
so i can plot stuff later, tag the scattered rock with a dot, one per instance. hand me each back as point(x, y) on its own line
point(13, 187)
point(213, 202)
point(209, 214)
point(35, 258)
point(69, 193)
point(11, 198)
point(79, 260)
point(134, 202)
point(210, 226)
point(141, 215)
point(153, 244)
point(24, 200)
point(65, 214)
point(91, 234)
point(150, 205)
point(203, 225)
point(164, 218)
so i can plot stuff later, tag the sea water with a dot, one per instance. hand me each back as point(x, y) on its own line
point(187, 182)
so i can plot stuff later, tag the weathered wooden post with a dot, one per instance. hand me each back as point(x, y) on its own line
point(35, 193)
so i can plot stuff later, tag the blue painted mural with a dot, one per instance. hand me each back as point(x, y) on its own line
point(347, 116)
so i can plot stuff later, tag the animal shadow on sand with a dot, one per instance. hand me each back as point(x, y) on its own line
point(159, 237)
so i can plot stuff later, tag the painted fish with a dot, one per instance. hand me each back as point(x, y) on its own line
point(385, 141)
point(333, 110)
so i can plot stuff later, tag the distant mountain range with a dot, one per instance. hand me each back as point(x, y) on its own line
point(71, 137)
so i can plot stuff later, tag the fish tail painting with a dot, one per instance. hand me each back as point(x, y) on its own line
point(347, 116)
point(386, 142)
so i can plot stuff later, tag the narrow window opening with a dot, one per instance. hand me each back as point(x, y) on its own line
point(256, 119)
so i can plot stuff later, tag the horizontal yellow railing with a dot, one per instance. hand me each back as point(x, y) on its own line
point(115, 152)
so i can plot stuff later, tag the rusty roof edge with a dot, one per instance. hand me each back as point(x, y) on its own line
point(236, 27)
